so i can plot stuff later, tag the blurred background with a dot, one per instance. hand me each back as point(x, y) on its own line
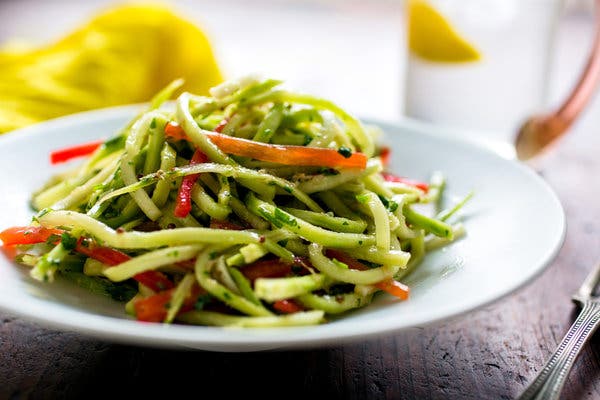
point(353, 52)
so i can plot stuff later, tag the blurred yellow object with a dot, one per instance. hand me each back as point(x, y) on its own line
point(123, 56)
point(432, 38)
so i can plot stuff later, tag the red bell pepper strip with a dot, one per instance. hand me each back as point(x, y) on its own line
point(184, 197)
point(287, 306)
point(219, 128)
point(218, 224)
point(400, 179)
point(154, 308)
point(27, 235)
point(394, 288)
point(155, 280)
point(384, 154)
point(287, 155)
point(391, 286)
point(79, 150)
point(266, 269)
point(274, 268)
point(105, 255)
point(17, 235)
point(175, 131)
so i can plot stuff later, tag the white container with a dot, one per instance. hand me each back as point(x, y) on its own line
point(495, 94)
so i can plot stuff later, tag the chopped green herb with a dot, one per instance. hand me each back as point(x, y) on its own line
point(389, 204)
point(335, 290)
point(68, 241)
point(284, 217)
point(202, 301)
point(345, 151)
point(362, 198)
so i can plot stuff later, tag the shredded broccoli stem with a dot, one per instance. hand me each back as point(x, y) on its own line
point(259, 237)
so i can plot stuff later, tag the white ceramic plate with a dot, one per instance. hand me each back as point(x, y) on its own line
point(515, 227)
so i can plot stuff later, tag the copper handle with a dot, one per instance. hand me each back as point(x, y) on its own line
point(539, 131)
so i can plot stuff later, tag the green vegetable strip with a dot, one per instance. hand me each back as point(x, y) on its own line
point(129, 212)
point(334, 304)
point(338, 207)
point(233, 86)
point(273, 289)
point(169, 217)
point(339, 273)
point(249, 253)
point(118, 142)
point(330, 222)
point(431, 225)
point(212, 286)
point(244, 214)
point(132, 146)
point(355, 128)
point(93, 267)
point(435, 242)
point(327, 134)
point(69, 181)
point(210, 182)
point(233, 124)
point(182, 290)
point(224, 194)
point(278, 250)
point(376, 184)
point(297, 247)
point(291, 118)
point(101, 286)
point(145, 240)
point(269, 125)
point(334, 129)
point(281, 219)
point(166, 93)
point(446, 214)
point(197, 136)
point(47, 265)
point(437, 184)
point(373, 254)
point(208, 205)
point(402, 230)
point(218, 319)
point(403, 188)
point(321, 182)
point(79, 193)
point(417, 251)
point(244, 285)
point(155, 144)
point(240, 89)
point(220, 272)
point(168, 157)
point(151, 260)
point(381, 220)
point(252, 252)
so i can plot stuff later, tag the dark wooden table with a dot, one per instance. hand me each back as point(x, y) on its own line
point(488, 354)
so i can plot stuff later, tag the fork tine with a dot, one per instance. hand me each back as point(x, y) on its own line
point(587, 287)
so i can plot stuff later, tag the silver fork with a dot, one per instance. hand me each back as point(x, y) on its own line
point(551, 379)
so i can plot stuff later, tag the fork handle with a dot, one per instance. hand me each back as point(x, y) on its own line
point(551, 379)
